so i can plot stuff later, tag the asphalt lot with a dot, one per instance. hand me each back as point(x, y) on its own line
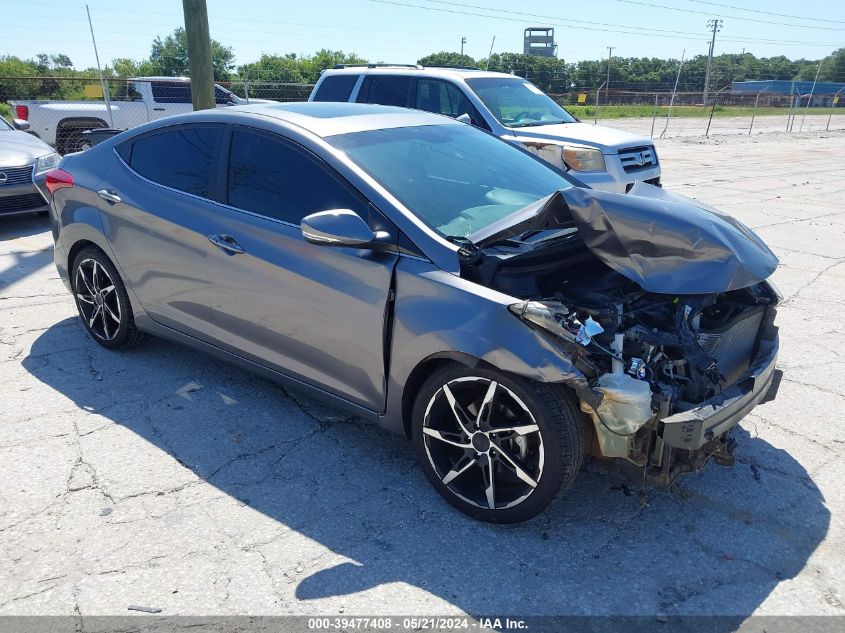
point(160, 477)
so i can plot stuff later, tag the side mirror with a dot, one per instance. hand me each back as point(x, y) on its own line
point(20, 124)
point(464, 118)
point(337, 227)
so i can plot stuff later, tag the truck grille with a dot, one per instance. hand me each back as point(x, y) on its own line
point(732, 347)
point(15, 175)
point(637, 158)
point(18, 204)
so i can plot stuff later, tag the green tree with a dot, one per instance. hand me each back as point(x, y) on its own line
point(447, 59)
point(547, 73)
point(295, 68)
point(170, 56)
point(125, 67)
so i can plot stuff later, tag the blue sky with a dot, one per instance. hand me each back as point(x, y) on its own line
point(391, 30)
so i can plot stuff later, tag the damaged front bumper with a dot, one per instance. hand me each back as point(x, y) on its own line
point(694, 428)
point(686, 441)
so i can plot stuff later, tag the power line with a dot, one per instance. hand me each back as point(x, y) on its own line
point(733, 17)
point(760, 11)
point(568, 22)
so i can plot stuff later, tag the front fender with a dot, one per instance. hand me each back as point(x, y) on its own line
point(440, 315)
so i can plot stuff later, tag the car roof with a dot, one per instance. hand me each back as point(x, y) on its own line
point(333, 118)
point(442, 72)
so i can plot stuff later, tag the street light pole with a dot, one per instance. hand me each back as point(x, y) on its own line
point(716, 25)
point(463, 41)
point(607, 91)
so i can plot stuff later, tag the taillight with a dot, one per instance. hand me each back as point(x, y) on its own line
point(57, 179)
point(22, 112)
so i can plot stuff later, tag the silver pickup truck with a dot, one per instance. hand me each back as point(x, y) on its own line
point(62, 123)
point(510, 107)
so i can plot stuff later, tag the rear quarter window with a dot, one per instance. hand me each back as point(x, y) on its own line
point(180, 158)
point(336, 88)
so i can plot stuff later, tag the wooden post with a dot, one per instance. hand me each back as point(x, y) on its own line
point(199, 54)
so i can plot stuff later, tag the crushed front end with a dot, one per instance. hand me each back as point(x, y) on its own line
point(671, 375)
point(661, 303)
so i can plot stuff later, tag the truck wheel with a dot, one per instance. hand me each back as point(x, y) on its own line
point(73, 141)
point(102, 301)
point(499, 448)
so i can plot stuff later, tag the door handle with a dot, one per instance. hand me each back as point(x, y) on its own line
point(108, 196)
point(227, 243)
point(159, 109)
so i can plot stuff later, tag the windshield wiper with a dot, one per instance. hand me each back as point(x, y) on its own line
point(538, 123)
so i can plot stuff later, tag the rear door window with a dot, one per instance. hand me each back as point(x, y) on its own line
point(171, 92)
point(181, 158)
point(385, 90)
point(276, 179)
point(336, 88)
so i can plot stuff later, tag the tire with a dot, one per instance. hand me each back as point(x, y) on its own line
point(108, 319)
point(546, 445)
point(73, 141)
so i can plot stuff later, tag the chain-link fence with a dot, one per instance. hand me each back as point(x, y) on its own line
point(60, 109)
point(664, 114)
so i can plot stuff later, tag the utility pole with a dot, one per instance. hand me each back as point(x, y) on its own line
point(463, 41)
point(103, 85)
point(716, 25)
point(607, 83)
point(199, 54)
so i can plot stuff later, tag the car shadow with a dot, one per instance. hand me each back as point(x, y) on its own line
point(719, 543)
point(15, 226)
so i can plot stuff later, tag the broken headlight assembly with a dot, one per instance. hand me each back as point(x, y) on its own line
point(582, 158)
point(556, 318)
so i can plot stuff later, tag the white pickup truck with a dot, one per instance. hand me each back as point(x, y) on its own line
point(62, 123)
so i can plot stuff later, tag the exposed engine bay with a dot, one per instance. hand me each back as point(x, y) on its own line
point(648, 354)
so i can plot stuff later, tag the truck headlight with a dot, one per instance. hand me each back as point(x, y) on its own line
point(583, 158)
point(46, 163)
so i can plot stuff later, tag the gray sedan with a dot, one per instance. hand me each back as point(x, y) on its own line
point(434, 279)
point(22, 158)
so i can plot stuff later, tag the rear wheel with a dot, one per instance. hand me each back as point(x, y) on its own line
point(497, 447)
point(74, 141)
point(102, 301)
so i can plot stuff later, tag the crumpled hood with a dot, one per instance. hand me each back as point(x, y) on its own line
point(665, 242)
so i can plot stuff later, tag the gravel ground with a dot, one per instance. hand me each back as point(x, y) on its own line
point(683, 127)
point(163, 478)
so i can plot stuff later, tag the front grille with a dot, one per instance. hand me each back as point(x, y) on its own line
point(15, 175)
point(732, 347)
point(25, 202)
point(637, 158)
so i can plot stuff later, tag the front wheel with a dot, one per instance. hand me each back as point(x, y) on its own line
point(497, 447)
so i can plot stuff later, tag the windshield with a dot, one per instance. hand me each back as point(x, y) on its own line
point(518, 103)
point(455, 178)
point(4, 125)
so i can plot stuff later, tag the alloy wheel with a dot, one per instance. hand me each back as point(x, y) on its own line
point(483, 442)
point(97, 299)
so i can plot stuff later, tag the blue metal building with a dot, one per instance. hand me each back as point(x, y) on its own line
point(824, 93)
